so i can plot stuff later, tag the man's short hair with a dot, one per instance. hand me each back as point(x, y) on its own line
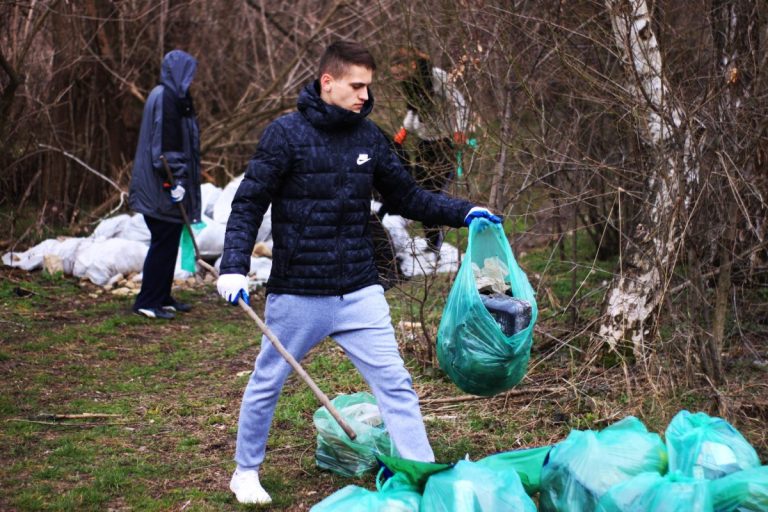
point(342, 54)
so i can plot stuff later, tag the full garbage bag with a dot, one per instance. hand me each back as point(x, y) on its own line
point(579, 470)
point(471, 487)
point(336, 451)
point(527, 463)
point(706, 447)
point(648, 492)
point(396, 495)
point(416, 472)
point(743, 491)
point(471, 346)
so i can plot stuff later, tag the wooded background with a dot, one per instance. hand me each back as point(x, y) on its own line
point(639, 126)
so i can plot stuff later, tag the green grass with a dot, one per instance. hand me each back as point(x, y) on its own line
point(175, 390)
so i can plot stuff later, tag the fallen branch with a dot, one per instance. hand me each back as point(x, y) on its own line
point(81, 416)
point(60, 424)
point(513, 392)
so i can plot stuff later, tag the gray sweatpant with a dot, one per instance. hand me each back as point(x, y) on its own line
point(360, 323)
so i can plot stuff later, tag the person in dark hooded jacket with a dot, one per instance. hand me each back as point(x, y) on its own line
point(168, 128)
point(317, 167)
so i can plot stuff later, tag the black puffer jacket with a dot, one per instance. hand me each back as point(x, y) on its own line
point(317, 167)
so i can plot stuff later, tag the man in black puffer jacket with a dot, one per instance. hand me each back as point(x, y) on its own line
point(317, 168)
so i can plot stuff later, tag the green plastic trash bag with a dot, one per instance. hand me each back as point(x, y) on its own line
point(188, 256)
point(395, 495)
point(651, 492)
point(705, 447)
point(336, 451)
point(527, 463)
point(471, 347)
point(470, 487)
point(579, 470)
point(743, 491)
point(416, 472)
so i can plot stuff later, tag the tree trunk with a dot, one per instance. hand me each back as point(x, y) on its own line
point(496, 200)
point(735, 36)
point(636, 291)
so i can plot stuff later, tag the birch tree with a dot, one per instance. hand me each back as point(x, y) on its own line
point(651, 251)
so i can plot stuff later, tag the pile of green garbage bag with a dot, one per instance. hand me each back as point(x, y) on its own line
point(582, 468)
point(487, 485)
point(622, 468)
point(652, 491)
point(705, 465)
point(473, 487)
point(336, 451)
point(396, 495)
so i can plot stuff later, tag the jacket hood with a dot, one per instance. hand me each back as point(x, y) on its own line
point(177, 71)
point(323, 115)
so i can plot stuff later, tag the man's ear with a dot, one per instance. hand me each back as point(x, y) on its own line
point(325, 82)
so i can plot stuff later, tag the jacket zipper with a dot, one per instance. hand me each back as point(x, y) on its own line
point(339, 224)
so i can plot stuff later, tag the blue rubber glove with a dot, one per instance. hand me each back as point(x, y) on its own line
point(177, 194)
point(232, 287)
point(478, 212)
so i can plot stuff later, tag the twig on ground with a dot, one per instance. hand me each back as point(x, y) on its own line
point(61, 424)
point(80, 416)
point(512, 392)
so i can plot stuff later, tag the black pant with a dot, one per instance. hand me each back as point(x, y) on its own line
point(159, 264)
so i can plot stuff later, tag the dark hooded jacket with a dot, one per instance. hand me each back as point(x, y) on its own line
point(168, 127)
point(318, 167)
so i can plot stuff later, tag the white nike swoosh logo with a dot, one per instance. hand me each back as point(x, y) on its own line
point(361, 159)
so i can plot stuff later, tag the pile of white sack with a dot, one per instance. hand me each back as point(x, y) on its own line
point(117, 247)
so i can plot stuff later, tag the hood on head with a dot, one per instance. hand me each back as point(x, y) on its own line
point(177, 71)
point(324, 115)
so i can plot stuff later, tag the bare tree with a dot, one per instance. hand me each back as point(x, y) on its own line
point(654, 243)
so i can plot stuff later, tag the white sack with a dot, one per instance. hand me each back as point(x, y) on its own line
point(397, 227)
point(32, 259)
point(209, 194)
point(210, 239)
point(135, 229)
point(417, 260)
point(111, 227)
point(104, 259)
point(127, 227)
point(265, 230)
point(260, 269)
point(223, 204)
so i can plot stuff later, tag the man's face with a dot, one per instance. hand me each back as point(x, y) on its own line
point(349, 91)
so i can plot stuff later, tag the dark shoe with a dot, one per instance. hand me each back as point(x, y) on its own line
point(154, 313)
point(178, 307)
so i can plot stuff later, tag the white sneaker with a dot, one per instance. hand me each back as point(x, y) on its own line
point(248, 489)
